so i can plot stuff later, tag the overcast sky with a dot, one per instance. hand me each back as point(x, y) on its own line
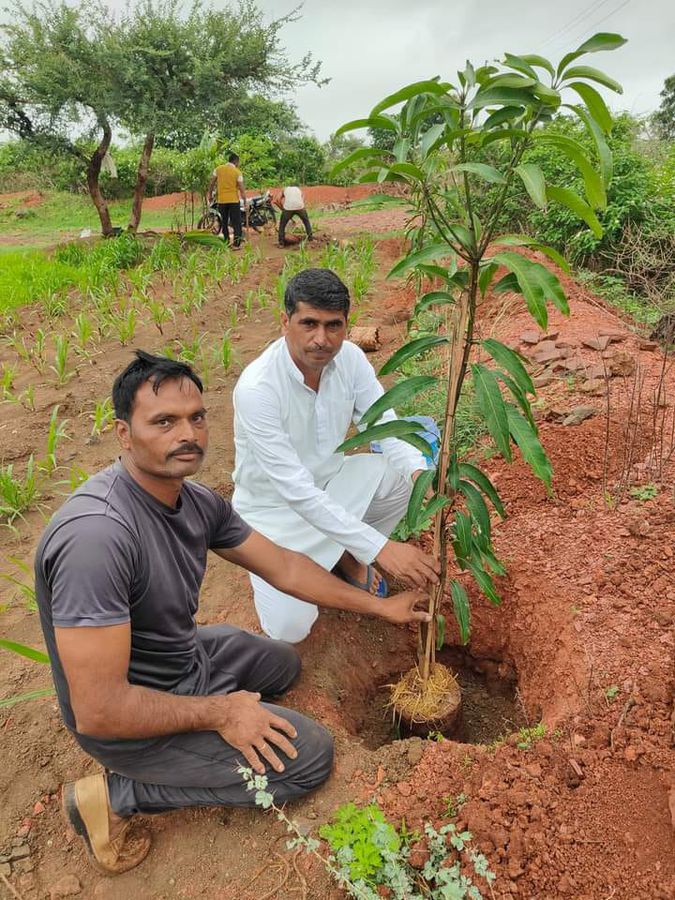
point(369, 48)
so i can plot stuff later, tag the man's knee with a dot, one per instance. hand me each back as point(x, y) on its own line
point(293, 627)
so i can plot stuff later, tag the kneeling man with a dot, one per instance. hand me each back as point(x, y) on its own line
point(169, 709)
point(293, 406)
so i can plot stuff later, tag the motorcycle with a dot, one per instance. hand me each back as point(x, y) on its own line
point(260, 212)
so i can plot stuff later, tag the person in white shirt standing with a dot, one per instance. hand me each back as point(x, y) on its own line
point(292, 203)
point(293, 406)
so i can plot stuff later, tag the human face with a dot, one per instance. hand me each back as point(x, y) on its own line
point(314, 336)
point(167, 436)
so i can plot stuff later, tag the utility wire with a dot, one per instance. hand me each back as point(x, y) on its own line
point(591, 28)
point(577, 20)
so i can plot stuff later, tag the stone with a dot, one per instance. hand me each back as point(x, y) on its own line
point(593, 386)
point(415, 752)
point(573, 364)
point(647, 345)
point(67, 886)
point(38, 808)
point(533, 769)
point(530, 337)
point(622, 364)
point(545, 345)
point(630, 754)
point(545, 356)
point(597, 372)
point(542, 380)
point(404, 788)
point(596, 343)
point(5, 869)
point(613, 335)
point(579, 414)
point(21, 852)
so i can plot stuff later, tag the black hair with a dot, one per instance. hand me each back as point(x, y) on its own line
point(233, 158)
point(320, 288)
point(147, 367)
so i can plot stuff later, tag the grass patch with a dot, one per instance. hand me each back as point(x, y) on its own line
point(614, 291)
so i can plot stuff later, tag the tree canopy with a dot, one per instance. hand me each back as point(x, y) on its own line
point(664, 117)
point(154, 70)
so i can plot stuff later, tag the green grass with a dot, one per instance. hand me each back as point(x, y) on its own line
point(615, 292)
point(62, 215)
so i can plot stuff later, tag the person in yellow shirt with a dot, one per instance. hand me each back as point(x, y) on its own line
point(228, 183)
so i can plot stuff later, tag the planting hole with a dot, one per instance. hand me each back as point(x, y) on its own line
point(490, 703)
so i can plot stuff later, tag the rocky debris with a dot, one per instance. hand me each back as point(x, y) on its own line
point(573, 364)
point(550, 353)
point(596, 343)
point(621, 364)
point(67, 886)
point(5, 869)
point(542, 380)
point(613, 335)
point(530, 337)
point(593, 386)
point(579, 414)
point(647, 345)
point(20, 852)
point(365, 337)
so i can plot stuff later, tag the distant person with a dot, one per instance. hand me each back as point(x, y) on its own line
point(229, 182)
point(292, 203)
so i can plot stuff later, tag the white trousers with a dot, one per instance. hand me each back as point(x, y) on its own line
point(285, 618)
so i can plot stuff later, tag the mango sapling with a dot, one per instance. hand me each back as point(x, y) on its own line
point(442, 135)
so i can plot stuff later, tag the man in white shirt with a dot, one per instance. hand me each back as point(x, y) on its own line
point(292, 203)
point(293, 406)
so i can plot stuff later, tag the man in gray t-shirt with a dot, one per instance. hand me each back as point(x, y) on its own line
point(169, 709)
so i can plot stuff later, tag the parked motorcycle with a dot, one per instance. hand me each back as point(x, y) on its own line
point(260, 212)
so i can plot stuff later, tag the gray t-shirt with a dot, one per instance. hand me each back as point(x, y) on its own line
point(114, 554)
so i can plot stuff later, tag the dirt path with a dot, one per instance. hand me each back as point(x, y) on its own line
point(586, 627)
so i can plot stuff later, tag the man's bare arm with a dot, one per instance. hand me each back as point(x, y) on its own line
point(107, 706)
point(296, 574)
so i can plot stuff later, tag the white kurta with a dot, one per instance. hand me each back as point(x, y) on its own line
point(290, 484)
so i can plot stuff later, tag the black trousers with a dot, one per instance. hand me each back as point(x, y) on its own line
point(199, 768)
point(287, 215)
point(230, 213)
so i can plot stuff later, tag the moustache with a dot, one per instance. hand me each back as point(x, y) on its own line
point(186, 448)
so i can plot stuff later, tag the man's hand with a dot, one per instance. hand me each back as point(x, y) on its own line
point(408, 563)
point(400, 608)
point(251, 728)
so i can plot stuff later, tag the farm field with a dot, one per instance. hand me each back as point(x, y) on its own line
point(568, 787)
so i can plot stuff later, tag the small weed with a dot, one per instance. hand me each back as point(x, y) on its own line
point(611, 693)
point(644, 492)
point(529, 736)
point(77, 477)
point(436, 736)
point(17, 495)
point(453, 805)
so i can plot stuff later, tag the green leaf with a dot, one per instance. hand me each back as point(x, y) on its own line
point(604, 153)
point(532, 59)
point(432, 138)
point(534, 181)
point(523, 240)
point(593, 182)
point(594, 103)
point(398, 395)
point(440, 631)
point(355, 156)
point(488, 173)
point(492, 406)
point(22, 698)
point(599, 41)
point(426, 254)
point(503, 97)
point(529, 286)
point(487, 273)
point(594, 75)
point(485, 583)
point(420, 488)
point(463, 540)
point(462, 610)
point(436, 504)
point(400, 428)
point(23, 650)
point(547, 94)
point(507, 283)
point(511, 361)
point(473, 473)
point(499, 116)
point(413, 348)
point(511, 81)
point(578, 206)
point(502, 134)
point(551, 287)
point(477, 507)
point(406, 93)
point(407, 169)
point(519, 396)
point(370, 122)
point(433, 298)
point(529, 445)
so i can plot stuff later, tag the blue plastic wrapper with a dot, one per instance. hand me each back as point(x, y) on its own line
point(431, 435)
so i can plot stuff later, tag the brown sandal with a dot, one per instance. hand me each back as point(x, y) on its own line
point(86, 806)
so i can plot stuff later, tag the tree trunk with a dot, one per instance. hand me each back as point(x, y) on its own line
point(93, 173)
point(141, 178)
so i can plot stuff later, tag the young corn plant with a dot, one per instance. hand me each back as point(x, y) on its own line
point(83, 333)
point(443, 151)
point(25, 586)
point(160, 313)
point(7, 376)
point(102, 418)
point(225, 352)
point(17, 494)
point(56, 433)
point(60, 367)
point(124, 325)
point(34, 655)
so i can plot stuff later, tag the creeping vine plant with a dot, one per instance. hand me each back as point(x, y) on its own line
point(443, 137)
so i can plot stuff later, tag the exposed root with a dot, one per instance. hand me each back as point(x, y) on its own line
point(417, 701)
